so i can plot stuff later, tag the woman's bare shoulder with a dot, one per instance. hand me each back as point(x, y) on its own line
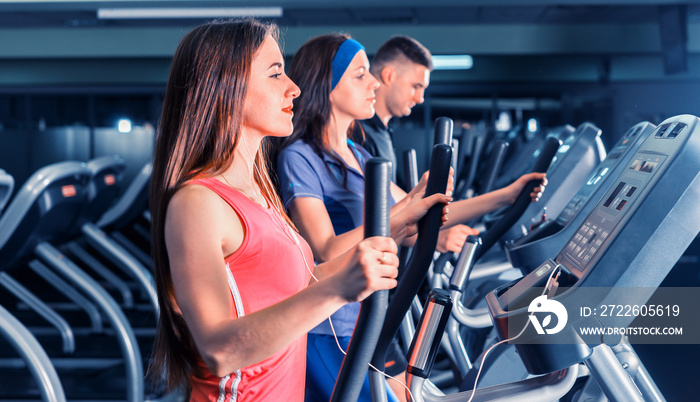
point(196, 213)
point(194, 205)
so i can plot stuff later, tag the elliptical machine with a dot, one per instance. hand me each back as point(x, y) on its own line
point(617, 257)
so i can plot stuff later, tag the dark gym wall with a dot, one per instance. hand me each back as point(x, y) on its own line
point(564, 62)
point(39, 126)
point(22, 152)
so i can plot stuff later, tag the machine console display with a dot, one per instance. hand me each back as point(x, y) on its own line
point(579, 200)
point(590, 239)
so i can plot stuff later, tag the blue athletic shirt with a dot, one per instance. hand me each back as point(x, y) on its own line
point(302, 173)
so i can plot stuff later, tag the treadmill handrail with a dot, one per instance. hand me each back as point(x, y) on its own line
point(126, 201)
point(32, 189)
point(99, 200)
point(34, 356)
point(97, 164)
point(7, 184)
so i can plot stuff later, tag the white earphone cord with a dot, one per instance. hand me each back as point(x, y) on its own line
point(483, 357)
point(335, 335)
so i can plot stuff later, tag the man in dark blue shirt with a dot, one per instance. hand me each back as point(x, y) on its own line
point(402, 65)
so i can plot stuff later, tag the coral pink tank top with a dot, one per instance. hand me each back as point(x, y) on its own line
point(266, 269)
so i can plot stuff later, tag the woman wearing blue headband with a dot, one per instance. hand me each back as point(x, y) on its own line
point(322, 184)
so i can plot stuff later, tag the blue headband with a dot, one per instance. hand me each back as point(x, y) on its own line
point(346, 52)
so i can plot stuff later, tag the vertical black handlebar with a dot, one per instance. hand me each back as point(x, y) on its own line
point(443, 131)
point(515, 211)
point(410, 163)
point(417, 266)
point(493, 166)
point(455, 155)
point(369, 322)
point(377, 193)
point(477, 148)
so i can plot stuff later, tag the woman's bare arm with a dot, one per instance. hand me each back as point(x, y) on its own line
point(311, 218)
point(200, 230)
point(471, 208)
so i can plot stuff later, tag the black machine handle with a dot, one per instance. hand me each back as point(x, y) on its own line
point(455, 155)
point(467, 172)
point(369, 322)
point(444, 127)
point(493, 167)
point(417, 266)
point(410, 163)
point(515, 211)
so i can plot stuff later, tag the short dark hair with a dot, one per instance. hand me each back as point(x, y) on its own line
point(398, 46)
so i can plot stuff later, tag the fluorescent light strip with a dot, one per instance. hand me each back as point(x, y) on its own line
point(157, 13)
point(453, 62)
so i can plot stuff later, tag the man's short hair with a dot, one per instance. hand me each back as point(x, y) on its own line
point(397, 47)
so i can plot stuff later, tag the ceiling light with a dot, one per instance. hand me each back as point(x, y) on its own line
point(453, 62)
point(503, 123)
point(532, 125)
point(193, 13)
point(124, 126)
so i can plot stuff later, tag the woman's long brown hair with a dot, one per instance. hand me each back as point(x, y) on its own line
point(199, 130)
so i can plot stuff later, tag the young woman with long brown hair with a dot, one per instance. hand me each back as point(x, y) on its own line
point(232, 274)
